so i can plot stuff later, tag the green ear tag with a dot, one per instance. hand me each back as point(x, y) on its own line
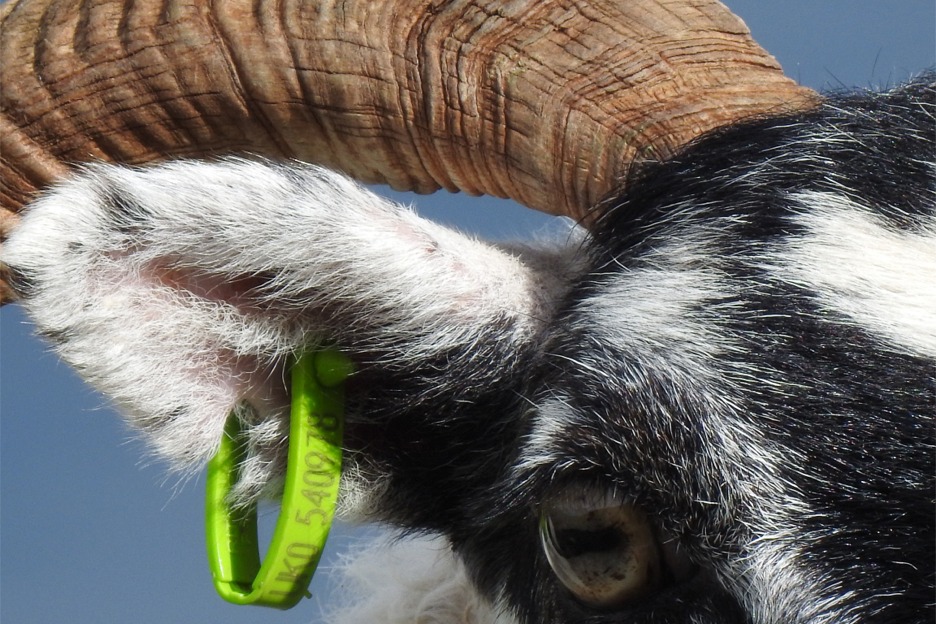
point(310, 494)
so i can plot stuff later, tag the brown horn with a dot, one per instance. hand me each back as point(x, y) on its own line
point(545, 102)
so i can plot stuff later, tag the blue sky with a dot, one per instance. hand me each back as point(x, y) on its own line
point(93, 531)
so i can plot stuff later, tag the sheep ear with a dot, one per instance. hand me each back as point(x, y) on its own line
point(180, 291)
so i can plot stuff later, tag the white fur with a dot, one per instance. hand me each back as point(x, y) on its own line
point(416, 580)
point(554, 419)
point(785, 590)
point(867, 271)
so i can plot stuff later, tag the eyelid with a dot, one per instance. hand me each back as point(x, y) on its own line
point(581, 499)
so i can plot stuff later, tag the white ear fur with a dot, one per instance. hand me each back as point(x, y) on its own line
point(181, 289)
point(408, 580)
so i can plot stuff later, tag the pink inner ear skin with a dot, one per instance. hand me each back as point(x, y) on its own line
point(235, 356)
point(240, 291)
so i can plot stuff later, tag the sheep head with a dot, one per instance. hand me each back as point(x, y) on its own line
point(667, 394)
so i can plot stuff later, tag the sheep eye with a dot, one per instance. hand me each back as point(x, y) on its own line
point(604, 552)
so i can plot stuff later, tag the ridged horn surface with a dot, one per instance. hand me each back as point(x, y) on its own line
point(545, 102)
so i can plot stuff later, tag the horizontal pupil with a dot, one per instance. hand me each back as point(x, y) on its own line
point(571, 543)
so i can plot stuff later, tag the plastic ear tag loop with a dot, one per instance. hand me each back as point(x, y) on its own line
point(310, 494)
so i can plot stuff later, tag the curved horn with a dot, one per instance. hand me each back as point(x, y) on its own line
point(545, 102)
